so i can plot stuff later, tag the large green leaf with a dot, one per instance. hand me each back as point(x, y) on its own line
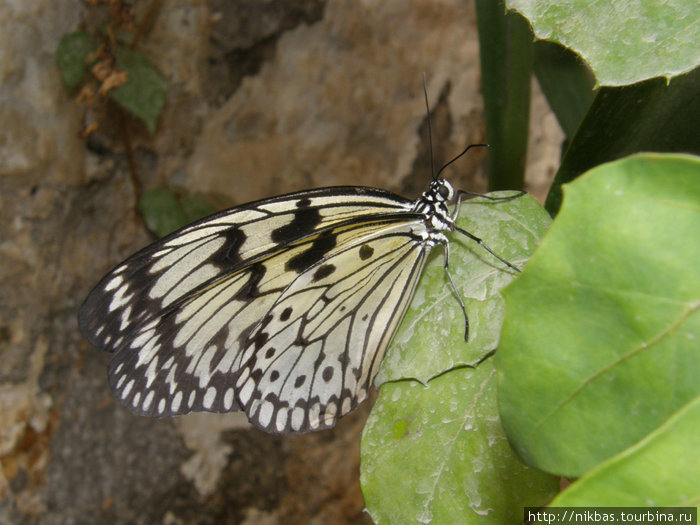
point(435, 449)
point(600, 342)
point(649, 116)
point(512, 229)
point(661, 470)
point(624, 41)
point(505, 48)
point(437, 453)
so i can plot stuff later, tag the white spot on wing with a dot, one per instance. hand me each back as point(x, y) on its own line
point(127, 389)
point(228, 399)
point(152, 371)
point(314, 413)
point(209, 397)
point(141, 339)
point(116, 281)
point(362, 394)
point(281, 419)
point(331, 410)
point(265, 414)
point(170, 380)
point(177, 399)
point(246, 391)
point(297, 418)
point(148, 352)
point(149, 399)
point(169, 362)
point(119, 298)
point(202, 371)
point(125, 318)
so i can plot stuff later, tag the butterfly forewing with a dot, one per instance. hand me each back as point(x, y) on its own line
point(166, 272)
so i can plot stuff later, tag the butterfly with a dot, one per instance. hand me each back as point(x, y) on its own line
point(282, 307)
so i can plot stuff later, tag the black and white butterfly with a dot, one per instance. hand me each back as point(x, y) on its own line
point(282, 307)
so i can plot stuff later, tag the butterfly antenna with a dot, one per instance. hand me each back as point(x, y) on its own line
point(460, 155)
point(430, 130)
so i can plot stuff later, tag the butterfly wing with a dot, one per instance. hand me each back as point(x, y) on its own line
point(312, 357)
point(185, 359)
point(179, 313)
point(254, 337)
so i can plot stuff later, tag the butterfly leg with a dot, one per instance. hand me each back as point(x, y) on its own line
point(485, 247)
point(489, 197)
point(446, 247)
point(474, 237)
point(458, 204)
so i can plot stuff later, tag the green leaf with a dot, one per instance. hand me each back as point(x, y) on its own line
point(649, 116)
point(658, 471)
point(566, 82)
point(145, 91)
point(505, 46)
point(623, 41)
point(438, 453)
point(71, 54)
point(512, 229)
point(600, 343)
point(164, 212)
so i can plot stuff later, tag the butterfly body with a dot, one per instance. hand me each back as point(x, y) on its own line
point(282, 308)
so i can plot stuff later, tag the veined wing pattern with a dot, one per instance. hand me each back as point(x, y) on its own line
point(283, 307)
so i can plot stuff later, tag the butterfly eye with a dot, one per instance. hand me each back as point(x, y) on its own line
point(445, 192)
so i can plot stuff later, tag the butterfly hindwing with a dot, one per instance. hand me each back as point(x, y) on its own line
point(313, 356)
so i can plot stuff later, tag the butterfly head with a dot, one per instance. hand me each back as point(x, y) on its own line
point(439, 191)
point(433, 205)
